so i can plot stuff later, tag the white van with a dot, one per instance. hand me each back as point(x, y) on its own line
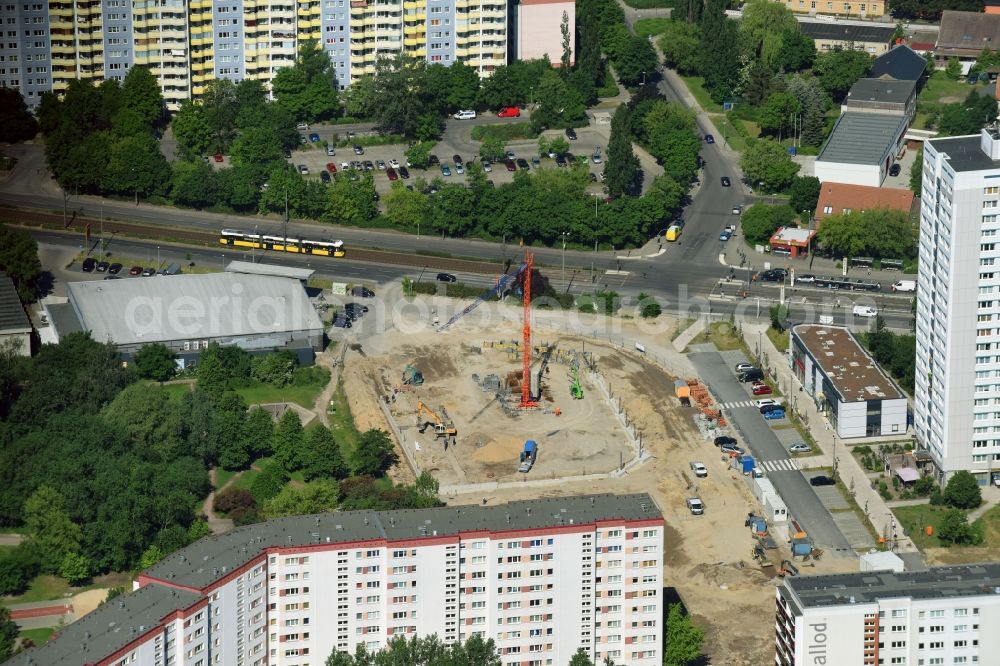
point(465, 115)
point(905, 285)
point(864, 311)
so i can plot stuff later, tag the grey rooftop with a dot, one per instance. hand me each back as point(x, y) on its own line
point(888, 91)
point(213, 557)
point(861, 138)
point(870, 586)
point(12, 316)
point(847, 33)
point(269, 269)
point(965, 153)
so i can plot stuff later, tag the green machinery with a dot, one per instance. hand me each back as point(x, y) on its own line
point(576, 389)
point(412, 376)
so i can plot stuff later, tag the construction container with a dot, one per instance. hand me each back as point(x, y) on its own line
point(882, 561)
point(758, 525)
point(748, 464)
point(681, 389)
point(761, 489)
point(775, 509)
point(801, 547)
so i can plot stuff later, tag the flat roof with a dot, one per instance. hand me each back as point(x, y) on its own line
point(109, 628)
point(793, 235)
point(869, 586)
point(847, 32)
point(854, 374)
point(882, 91)
point(13, 318)
point(162, 308)
point(269, 269)
point(965, 153)
point(213, 557)
point(862, 138)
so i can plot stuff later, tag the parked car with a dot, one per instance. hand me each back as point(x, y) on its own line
point(487, 166)
point(115, 268)
point(467, 114)
point(330, 150)
point(806, 279)
point(218, 157)
point(571, 134)
point(342, 322)
point(457, 159)
point(303, 140)
point(769, 408)
point(445, 170)
point(394, 164)
point(743, 367)
point(774, 415)
point(536, 161)
point(766, 401)
point(433, 160)
point(324, 176)
point(459, 169)
point(752, 376)
point(522, 163)
point(391, 173)
point(404, 173)
point(380, 164)
point(724, 439)
point(822, 480)
point(446, 277)
point(593, 177)
point(303, 169)
point(732, 448)
point(560, 161)
point(135, 270)
point(894, 170)
point(509, 112)
point(369, 166)
point(302, 127)
point(773, 275)
point(760, 388)
point(725, 235)
point(509, 163)
point(799, 448)
point(146, 272)
point(103, 266)
point(356, 306)
point(737, 210)
point(314, 137)
point(89, 264)
point(709, 138)
point(695, 506)
point(510, 154)
point(699, 469)
point(596, 158)
point(331, 167)
point(725, 181)
point(359, 150)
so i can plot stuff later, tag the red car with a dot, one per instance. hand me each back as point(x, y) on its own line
point(760, 388)
point(391, 173)
point(331, 167)
point(135, 270)
point(509, 112)
point(218, 157)
point(509, 163)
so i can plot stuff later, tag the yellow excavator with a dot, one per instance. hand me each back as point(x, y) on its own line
point(427, 417)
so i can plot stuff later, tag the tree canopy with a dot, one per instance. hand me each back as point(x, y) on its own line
point(962, 491)
point(766, 164)
point(16, 122)
point(878, 232)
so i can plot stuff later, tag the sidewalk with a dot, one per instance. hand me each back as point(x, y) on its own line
point(835, 451)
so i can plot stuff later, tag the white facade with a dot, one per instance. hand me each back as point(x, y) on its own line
point(556, 576)
point(851, 174)
point(957, 396)
point(884, 624)
point(539, 29)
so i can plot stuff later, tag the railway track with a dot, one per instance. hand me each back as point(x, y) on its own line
point(185, 236)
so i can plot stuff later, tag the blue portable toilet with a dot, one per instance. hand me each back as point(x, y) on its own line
point(748, 464)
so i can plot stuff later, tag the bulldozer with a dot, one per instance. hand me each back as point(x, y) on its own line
point(412, 376)
point(443, 427)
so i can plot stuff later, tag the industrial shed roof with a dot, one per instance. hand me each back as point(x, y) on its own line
point(862, 138)
point(847, 32)
point(13, 319)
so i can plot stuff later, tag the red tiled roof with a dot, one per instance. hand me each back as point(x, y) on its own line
point(838, 197)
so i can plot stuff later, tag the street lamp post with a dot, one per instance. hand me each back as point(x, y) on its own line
point(564, 234)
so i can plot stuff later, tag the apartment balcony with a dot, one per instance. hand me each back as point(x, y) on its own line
point(418, 53)
point(62, 49)
point(411, 30)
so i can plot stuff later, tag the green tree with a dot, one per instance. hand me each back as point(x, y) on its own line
point(319, 496)
point(559, 105)
point(288, 441)
point(268, 483)
point(136, 165)
point(814, 102)
point(258, 432)
point(150, 557)
point(359, 98)
point(840, 68)
point(878, 232)
point(760, 221)
point(375, 453)
point(763, 27)
point(680, 43)
point(308, 89)
point(492, 148)
point(671, 137)
point(962, 491)
point(804, 194)
point(321, 456)
point(228, 430)
point(406, 208)
point(351, 202)
point(720, 52)
point(274, 369)
point(49, 529)
point(76, 568)
point(967, 117)
point(198, 529)
point(220, 106)
point(8, 634)
point(954, 528)
point(151, 421)
point(141, 94)
point(17, 568)
point(767, 165)
point(917, 172)
point(954, 68)
point(419, 154)
point(780, 111)
point(797, 52)
point(19, 260)
point(649, 308)
point(581, 658)
point(621, 169)
point(193, 184)
point(155, 361)
point(683, 639)
point(16, 122)
point(636, 61)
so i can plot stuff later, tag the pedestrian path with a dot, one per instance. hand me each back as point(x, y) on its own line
point(737, 403)
point(783, 465)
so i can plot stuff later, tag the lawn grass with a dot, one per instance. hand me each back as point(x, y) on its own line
point(263, 393)
point(37, 636)
point(508, 132)
point(53, 588)
point(610, 87)
point(222, 477)
point(650, 26)
point(650, 4)
point(342, 423)
point(915, 519)
point(779, 340)
point(940, 85)
point(723, 336)
point(175, 391)
point(246, 480)
point(696, 85)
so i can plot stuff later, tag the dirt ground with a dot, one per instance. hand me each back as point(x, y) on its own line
point(707, 559)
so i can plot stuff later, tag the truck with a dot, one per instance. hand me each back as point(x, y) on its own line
point(528, 456)
point(905, 285)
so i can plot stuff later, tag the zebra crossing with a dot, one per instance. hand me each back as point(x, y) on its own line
point(737, 403)
point(783, 465)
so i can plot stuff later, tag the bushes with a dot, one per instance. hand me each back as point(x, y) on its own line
point(962, 491)
point(504, 133)
point(231, 499)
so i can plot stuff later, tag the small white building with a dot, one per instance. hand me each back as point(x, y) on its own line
point(846, 383)
point(15, 327)
point(861, 148)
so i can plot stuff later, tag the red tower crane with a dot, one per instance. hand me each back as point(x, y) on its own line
point(526, 401)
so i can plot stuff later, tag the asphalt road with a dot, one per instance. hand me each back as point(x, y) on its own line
point(757, 436)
